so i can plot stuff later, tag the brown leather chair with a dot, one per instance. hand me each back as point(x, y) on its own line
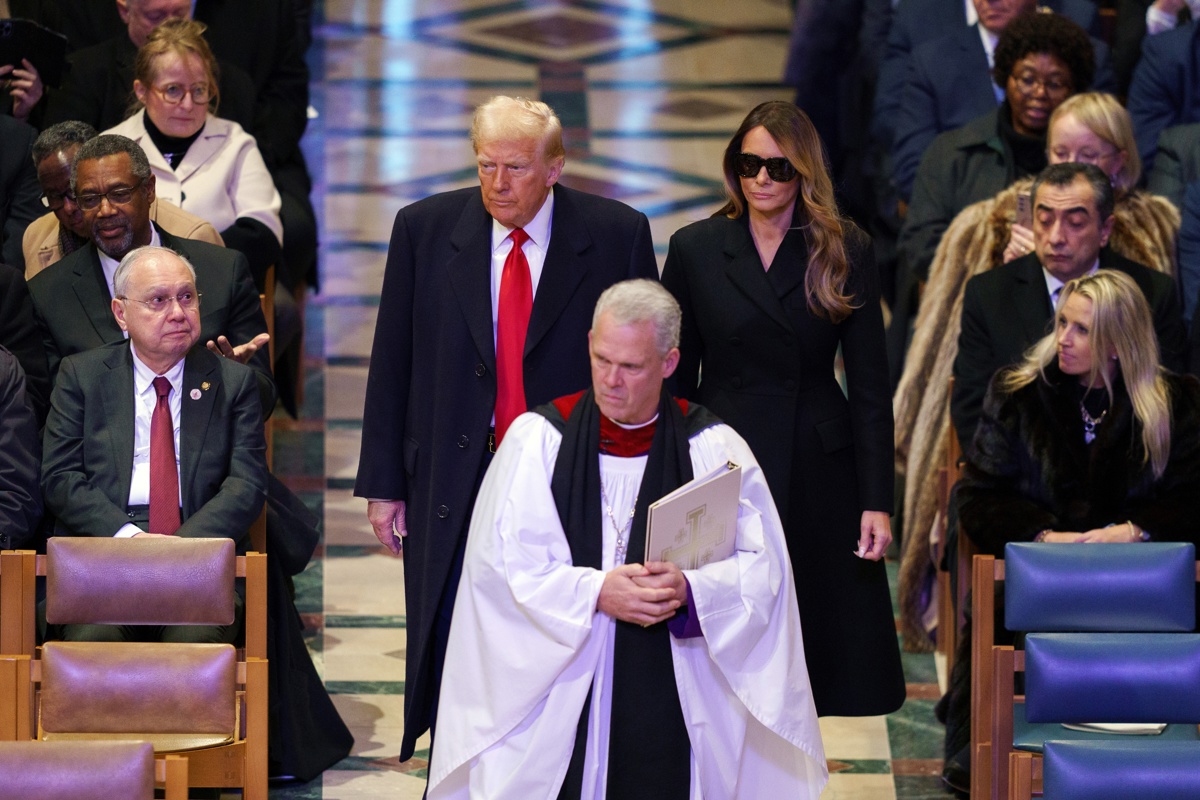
point(181, 697)
point(89, 771)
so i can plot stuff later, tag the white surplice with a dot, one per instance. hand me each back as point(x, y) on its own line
point(527, 643)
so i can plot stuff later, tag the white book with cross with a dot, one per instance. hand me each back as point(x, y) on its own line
point(697, 523)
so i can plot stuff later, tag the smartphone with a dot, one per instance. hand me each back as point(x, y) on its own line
point(1025, 211)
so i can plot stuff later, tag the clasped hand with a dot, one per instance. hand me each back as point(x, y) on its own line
point(644, 594)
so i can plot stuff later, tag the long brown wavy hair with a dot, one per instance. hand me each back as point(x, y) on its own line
point(824, 229)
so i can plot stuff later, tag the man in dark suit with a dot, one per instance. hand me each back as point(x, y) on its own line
point(150, 437)
point(1176, 176)
point(1010, 307)
point(113, 184)
point(454, 296)
point(1137, 19)
point(20, 458)
point(1166, 86)
point(20, 335)
point(19, 192)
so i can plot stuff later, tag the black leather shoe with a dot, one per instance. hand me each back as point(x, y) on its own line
point(957, 778)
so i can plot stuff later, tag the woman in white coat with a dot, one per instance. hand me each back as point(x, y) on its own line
point(201, 163)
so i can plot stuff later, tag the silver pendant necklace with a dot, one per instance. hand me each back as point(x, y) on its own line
point(1090, 423)
point(621, 531)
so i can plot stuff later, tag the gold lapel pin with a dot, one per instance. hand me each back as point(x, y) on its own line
point(205, 385)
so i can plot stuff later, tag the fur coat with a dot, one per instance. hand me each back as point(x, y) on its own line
point(1030, 469)
point(1145, 231)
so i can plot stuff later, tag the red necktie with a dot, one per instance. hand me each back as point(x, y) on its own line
point(516, 303)
point(164, 474)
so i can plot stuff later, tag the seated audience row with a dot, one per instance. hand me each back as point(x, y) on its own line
point(1085, 439)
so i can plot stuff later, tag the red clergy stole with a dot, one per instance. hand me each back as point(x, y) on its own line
point(614, 439)
point(625, 442)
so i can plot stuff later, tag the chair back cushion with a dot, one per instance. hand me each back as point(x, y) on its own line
point(173, 581)
point(172, 694)
point(1120, 770)
point(1112, 677)
point(76, 770)
point(1148, 586)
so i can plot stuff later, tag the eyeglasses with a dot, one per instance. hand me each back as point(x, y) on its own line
point(160, 303)
point(747, 165)
point(118, 197)
point(1028, 82)
point(54, 201)
point(174, 93)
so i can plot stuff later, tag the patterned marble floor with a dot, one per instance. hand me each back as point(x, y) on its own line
point(648, 91)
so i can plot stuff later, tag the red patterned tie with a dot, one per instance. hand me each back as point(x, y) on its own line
point(164, 474)
point(516, 303)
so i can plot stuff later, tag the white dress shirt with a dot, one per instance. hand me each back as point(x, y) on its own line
point(1053, 284)
point(1159, 21)
point(989, 40)
point(145, 398)
point(534, 248)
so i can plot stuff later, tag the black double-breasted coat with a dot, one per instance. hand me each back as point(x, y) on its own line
point(757, 356)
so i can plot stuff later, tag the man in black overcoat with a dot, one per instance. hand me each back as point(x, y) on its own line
point(431, 412)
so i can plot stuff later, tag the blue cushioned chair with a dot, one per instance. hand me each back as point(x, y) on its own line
point(1093, 677)
point(1147, 586)
point(1119, 770)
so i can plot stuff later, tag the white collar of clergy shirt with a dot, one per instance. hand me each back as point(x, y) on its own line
point(535, 250)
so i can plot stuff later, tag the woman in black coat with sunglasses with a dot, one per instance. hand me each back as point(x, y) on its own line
point(770, 286)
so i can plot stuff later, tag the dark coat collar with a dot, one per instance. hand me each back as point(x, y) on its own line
point(745, 270)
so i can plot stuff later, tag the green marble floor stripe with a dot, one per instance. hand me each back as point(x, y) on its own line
point(364, 621)
point(859, 766)
point(365, 687)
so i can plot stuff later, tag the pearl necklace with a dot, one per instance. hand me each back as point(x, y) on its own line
point(621, 531)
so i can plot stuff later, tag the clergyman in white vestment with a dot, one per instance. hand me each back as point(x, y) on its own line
point(560, 633)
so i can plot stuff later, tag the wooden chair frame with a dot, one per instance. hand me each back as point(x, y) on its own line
point(986, 570)
point(242, 763)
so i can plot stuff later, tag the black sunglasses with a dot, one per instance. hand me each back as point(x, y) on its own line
point(779, 169)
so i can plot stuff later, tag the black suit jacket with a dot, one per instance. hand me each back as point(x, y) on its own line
point(1166, 86)
point(261, 39)
point(73, 306)
point(1008, 308)
point(19, 190)
point(88, 445)
point(19, 333)
point(431, 389)
point(1177, 162)
point(20, 458)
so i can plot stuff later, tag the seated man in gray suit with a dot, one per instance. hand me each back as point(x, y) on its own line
point(153, 436)
point(113, 185)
